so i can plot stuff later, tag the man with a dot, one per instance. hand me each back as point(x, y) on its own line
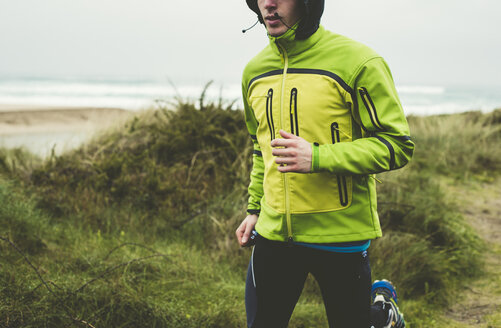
point(324, 116)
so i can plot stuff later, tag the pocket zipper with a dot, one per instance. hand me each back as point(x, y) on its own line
point(371, 108)
point(293, 112)
point(269, 113)
point(343, 189)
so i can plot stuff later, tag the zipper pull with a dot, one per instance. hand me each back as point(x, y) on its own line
point(290, 242)
point(293, 95)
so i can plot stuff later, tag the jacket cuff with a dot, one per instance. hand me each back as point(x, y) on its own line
point(315, 157)
point(253, 211)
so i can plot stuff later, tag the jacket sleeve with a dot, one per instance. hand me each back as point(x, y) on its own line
point(385, 143)
point(257, 174)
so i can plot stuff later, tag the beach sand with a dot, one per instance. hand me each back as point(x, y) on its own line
point(43, 129)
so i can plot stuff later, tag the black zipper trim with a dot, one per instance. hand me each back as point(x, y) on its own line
point(270, 73)
point(343, 189)
point(333, 76)
point(253, 137)
point(258, 153)
point(293, 107)
point(295, 113)
point(269, 113)
point(375, 120)
point(356, 106)
point(402, 138)
point(390, 148)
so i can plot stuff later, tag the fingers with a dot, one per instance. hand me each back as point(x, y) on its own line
point(287, 141)
point(240, 231)
point(245, 238)
point(287, 135)
point(283, 152)
point(293, 153)
point(286, 160)
point(282, 142)
point(244, 231)
point(288, 168)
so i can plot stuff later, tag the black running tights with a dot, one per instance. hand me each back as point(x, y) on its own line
point(276, 276)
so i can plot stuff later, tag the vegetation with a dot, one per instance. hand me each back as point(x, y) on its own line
point(136, 228)
point(460, 146)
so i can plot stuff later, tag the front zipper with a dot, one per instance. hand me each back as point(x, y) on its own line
point(371, 108)
point(269, 113)
point(293, 112)
point(341, 180)
point(282, 120)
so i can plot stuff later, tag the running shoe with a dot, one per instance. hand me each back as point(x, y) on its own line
point(383, 291)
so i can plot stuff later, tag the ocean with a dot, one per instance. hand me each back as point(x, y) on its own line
point(135, 94)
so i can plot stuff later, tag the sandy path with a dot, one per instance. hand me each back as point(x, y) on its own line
point(480, 305)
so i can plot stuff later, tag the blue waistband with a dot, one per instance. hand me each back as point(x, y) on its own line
point(351, 247)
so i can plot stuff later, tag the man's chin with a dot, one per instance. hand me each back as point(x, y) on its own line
point(276, 33)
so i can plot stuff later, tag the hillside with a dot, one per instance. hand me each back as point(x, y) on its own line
point(136, 228)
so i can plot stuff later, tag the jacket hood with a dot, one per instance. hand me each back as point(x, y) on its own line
point(309, 23)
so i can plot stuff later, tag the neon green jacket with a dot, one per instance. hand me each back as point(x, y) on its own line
point(339, 95)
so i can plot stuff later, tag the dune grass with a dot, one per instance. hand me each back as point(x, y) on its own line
point(462, 146)
point(136, 228)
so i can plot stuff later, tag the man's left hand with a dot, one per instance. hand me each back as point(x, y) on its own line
point(295, 156)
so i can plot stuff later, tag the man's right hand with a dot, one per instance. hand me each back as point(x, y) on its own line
point(244, 230)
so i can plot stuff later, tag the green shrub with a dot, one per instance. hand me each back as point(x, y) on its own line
point(166, 163)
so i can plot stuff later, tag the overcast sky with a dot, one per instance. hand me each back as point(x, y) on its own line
point(426, 42)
